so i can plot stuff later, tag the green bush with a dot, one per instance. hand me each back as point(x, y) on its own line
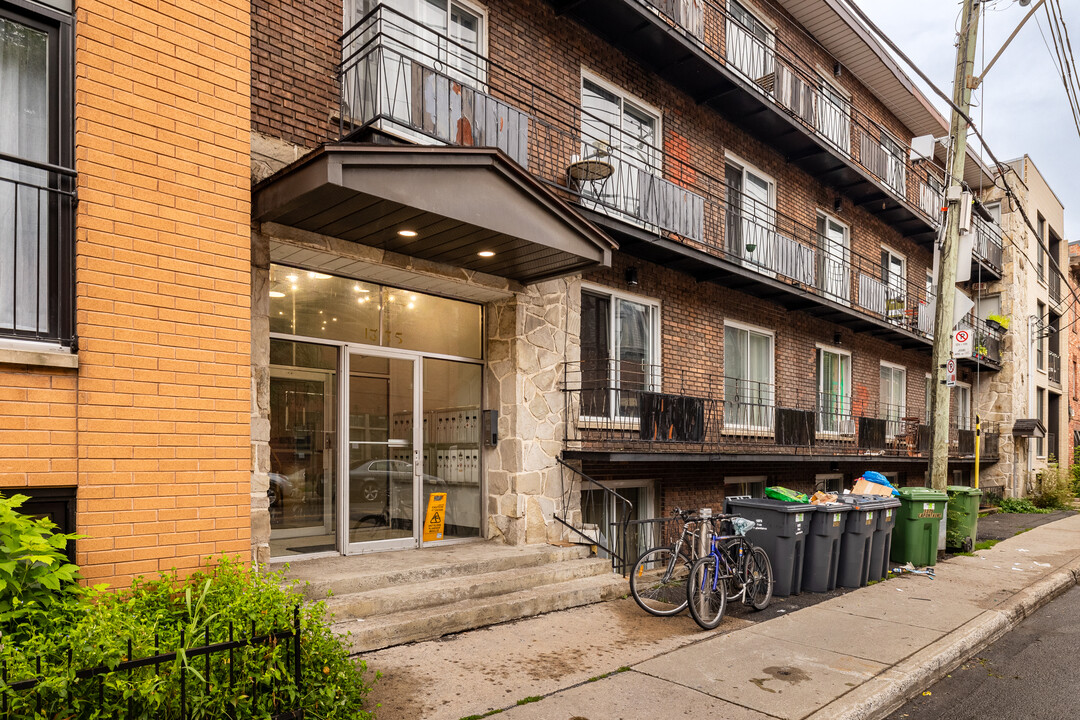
point(1019, 505)
point(35, 575)
point(65, 630)
point(1053, 489)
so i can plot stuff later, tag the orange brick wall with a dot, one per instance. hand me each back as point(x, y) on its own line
point(154, 425)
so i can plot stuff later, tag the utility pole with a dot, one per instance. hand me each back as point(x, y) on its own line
point(946, 281)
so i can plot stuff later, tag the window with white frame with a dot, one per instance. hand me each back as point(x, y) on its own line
point(962, 403)
point(1040, 254)
point(750, 44)
point(834, 392)
point(620, 133)
point(749, 394)
point(751, 215)
point(1040, 332)
point(894, 276)
point(895, 163)
point(830, 483)
point(743, 486)
point(619, 351)
point(893, 396)
point(834, 268)
point(1040, 413)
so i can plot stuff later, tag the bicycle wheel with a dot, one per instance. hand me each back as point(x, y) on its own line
point(759, 579)
point(658, 581)
point(706, 593)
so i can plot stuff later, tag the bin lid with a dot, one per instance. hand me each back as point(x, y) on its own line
point(833, 507)
point(870, 502)
point(963, 490)
point(770, 504)
point(921, 494)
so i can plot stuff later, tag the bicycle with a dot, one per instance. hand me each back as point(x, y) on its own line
point(733, 566)
point(658, 579)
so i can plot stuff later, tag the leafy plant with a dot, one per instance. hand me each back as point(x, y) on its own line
point(1019, 505)
point(35, 574)
point(1052, 489)
point(1001, 320)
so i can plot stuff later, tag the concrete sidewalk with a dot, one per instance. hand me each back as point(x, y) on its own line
point(859, 655)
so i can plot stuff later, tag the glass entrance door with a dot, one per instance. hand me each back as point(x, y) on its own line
point(382, 473)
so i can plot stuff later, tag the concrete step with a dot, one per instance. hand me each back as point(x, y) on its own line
point(364, 635)
point(449, 589)
point(347, 575)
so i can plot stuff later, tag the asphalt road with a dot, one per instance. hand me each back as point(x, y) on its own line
point(1029, 674)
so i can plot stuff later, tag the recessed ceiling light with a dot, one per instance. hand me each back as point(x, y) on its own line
point(411, 306)
point(407, 233)
point(276, 293)
point(292, 278)
point(486, 253)
point(293, 287)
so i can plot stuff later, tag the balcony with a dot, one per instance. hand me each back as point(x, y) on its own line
point(988, 343)
point(1053, 368)
point(37, 229)
point(986, 252)
point(401, 79)
point(767, 89)
point(629, 409)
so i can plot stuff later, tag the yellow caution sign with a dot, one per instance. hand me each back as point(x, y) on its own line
point(435, 517)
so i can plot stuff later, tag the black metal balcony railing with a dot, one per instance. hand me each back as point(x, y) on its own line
point(620, 406)
point(1053, 368)
point(988, 245)
point(36, 250)
point(988, 342)
point(402, 77)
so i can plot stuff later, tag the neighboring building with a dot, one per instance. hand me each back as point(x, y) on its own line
point(1032, 295)
point(1074, 351)
point(124, 276)
point(489, 250)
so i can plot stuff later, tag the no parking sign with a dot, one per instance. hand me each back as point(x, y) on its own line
point(962, 344)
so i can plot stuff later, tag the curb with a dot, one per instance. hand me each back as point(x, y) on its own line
point(880, 696)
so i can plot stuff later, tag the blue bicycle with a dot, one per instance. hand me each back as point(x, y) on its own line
point(734, 567)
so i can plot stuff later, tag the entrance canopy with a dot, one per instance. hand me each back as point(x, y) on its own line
point(446, 205)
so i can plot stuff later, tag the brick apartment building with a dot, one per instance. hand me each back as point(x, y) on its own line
point(329, 260)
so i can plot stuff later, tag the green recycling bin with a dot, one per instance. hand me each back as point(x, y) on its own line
point(915, 538)
point(962, 518)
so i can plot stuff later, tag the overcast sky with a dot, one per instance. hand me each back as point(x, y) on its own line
point(1023, 108)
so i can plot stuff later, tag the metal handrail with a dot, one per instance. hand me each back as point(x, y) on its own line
point(627, 512)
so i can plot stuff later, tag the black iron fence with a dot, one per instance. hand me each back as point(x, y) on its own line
point(399, 76)
point(37, 241)
point(220, 669)
point(988, 245)
point(613, 405)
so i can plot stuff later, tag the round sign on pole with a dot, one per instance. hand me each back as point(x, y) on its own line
point(950, 372)
point(962, 336)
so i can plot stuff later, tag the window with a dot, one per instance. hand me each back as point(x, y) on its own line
point(750, 45)
point(834, 116)
point(893, 393)
point(894, 275)
point(833, 265)
point(833, 483)
point(454, 45)
point(749, 396)
point(995, 212)
point(895, 165)
point(751, 217)
point(1040, 341)
point(834, 393)
point(1040, 413)
point(753, 486)
point(619, 356)
point(1040, 254)
point(624, 133)
point(962, 403)
point(36, 223)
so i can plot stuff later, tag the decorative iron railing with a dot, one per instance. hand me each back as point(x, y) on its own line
point(988, 245)
point(686, 411)
point(400, 77)
point(37, 250)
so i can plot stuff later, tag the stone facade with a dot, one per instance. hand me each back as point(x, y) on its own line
point(530, 339)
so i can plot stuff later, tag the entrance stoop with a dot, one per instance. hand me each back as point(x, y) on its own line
point(392, 598)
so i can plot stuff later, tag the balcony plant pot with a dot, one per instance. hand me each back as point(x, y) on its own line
point(998, 322)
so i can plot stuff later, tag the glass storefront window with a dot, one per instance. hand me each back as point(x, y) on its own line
point(318, 305)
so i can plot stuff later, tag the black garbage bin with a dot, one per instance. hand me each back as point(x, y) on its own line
point(856, 544)
point(781, 532)
point(880, 519)
point(821, 561)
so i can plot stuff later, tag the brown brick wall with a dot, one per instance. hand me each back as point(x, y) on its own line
point(153, 427)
